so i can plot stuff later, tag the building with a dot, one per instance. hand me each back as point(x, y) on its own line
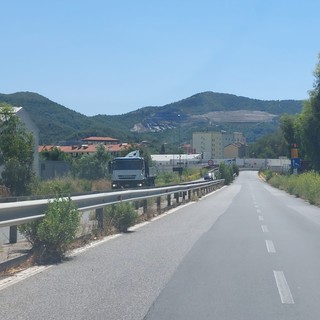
point(235, 150)
point(77, 150)
point(212, 144)
point(89, 146)
point(53, 169)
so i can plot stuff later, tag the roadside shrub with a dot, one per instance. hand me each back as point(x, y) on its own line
point(30, 231)
point(121, 216)
point(226, 173)
point(167, 178)
point(191, 174)
point(268, 174)
point(188, 174)
point(61, 186)
point(235, 169)
point(51, 236)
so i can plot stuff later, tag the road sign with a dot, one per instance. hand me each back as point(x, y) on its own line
point(294, 153)
point(295, 163)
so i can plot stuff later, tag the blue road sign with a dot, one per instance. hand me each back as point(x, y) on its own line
point(295, 163)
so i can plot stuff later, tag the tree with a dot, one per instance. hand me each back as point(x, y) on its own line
point(226, 173)
point(163, 149)
point(92, 166)
point(54, 154)
point(269, 146)
point(308, 126)
point(289, 128)
point(16, 152)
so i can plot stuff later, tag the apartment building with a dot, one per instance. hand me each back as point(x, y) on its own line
point(212, 144)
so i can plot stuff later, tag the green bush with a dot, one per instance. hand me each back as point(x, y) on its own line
point(121, 216)
point(61, 186)
point(235, 169)
point(167, 178)
point(268, 174)
point(51, 236)
point(188, 174)
point(191, 174)
point(226, 173)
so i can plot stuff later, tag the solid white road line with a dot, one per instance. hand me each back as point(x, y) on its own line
point(270, 246)
point(264, 228)
point(6, 282)
point(260, 218)
point(283, 288)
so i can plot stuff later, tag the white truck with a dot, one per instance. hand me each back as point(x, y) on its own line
point(131, 171)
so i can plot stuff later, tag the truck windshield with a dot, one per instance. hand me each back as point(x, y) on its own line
point(128, 164)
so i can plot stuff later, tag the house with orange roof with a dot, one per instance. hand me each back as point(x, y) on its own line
point(110, 144)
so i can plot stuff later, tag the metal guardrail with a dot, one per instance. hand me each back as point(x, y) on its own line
point(15, 213)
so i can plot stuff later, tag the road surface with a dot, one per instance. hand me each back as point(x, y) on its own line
point(247, 251)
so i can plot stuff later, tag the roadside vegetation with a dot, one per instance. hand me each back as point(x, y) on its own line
point(51, 236)
point(16, 153)
point(301, 130)
point(301, 136)
point(121, 216)
point(305, 186)
point(227, 172)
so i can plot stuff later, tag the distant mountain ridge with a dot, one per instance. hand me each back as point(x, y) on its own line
point(202, 111)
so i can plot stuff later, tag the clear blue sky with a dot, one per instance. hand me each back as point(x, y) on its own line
point(112, 57)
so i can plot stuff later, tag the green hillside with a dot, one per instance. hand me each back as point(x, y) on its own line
point(163, 124)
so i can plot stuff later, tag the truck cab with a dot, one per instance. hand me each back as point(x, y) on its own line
point(131, 172)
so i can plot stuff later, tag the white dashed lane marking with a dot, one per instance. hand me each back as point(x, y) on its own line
point(270, 246)
point(283, 287)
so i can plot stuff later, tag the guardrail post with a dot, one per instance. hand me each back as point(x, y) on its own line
point(176, 195)
point(145, 206)
point(189, 194)
point(13, 230)
point(99, 215)
point(169, 200)
point(159, 204)
point(13, 237)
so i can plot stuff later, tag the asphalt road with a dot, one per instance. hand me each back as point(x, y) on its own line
point(248, 251)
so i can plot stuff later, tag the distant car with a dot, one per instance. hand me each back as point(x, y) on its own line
point(208, 176)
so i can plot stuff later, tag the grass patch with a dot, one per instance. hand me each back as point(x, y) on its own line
point(305, 186)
